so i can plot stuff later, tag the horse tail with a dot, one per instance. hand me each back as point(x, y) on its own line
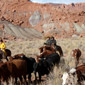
point(59, 49)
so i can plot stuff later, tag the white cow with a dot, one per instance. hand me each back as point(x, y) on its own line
point(68, 78)
point(64, 77)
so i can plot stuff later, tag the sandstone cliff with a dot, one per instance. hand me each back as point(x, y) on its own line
point(59, 20)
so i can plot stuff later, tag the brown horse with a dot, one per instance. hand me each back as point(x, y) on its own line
point(45, 51)
point(8, 53)
point(44, 48)
point(53, 48)
point(76, 53)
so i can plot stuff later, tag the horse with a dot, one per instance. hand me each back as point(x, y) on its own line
point(44, 48)
point(53, 48)
point(44, 54)
point(8, 53)
point(76, 53)
point(45, 51)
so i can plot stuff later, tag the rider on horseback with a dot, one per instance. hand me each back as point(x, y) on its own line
point(50, 41)
point(2, 47)
point(47, 41)
point(53, 41)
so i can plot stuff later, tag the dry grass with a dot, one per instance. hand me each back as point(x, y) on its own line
point(30, 48)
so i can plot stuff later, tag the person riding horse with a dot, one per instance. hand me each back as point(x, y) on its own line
point(50, 40)
point(2, 47)
point(49, 47)
point(4, 53)
point(52, 43)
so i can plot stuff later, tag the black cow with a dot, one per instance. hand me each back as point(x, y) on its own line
point(44, 66)
point(53, 59)
point(30, 63)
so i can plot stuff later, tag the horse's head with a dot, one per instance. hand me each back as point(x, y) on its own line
point(76, 53)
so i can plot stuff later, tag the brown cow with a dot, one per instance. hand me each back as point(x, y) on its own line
point(17, 56)
point(76, 53)
point(4, 72)
point(30, 61)
point(15, 68)
point(18, 68)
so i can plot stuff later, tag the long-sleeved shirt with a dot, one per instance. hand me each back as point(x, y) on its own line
point(2, 47)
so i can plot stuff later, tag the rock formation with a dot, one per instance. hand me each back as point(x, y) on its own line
point(59, 20)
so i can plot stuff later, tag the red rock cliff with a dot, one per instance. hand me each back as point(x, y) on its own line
point(59, 20)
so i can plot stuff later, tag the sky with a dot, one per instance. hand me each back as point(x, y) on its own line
point(58, 1)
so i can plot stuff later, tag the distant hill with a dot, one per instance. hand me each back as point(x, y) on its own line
point(59, 20)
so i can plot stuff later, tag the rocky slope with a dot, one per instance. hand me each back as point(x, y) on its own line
point(59, 20)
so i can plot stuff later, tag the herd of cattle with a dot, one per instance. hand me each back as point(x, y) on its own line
point(19, 66)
